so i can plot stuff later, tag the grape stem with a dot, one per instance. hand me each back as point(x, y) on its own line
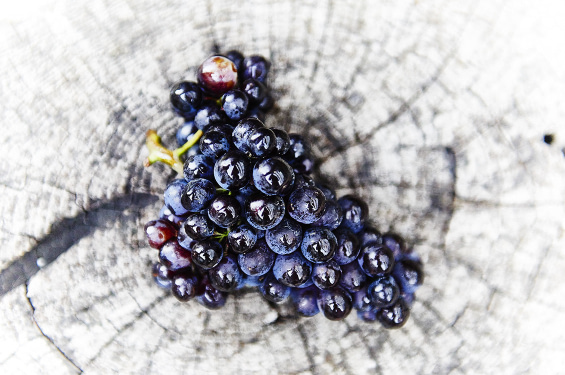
point(158, 152)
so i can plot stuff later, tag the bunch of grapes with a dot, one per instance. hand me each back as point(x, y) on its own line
point(247, 214)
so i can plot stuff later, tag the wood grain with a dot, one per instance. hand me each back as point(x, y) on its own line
point(434, 111)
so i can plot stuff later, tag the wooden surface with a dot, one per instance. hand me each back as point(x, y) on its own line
point(432, 110)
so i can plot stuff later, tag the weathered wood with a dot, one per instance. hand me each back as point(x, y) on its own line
point(434, 111)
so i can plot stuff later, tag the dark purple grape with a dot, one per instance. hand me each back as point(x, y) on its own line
point(395, 243)
point(185, 132)
point(214, 144)
point(167, 214)
point(409, 274)
point(301, 181)
point(241, 132)
point(232, 170)
point(282, 141)
point(210, 297)
point(297, 148)
point(242, 238)
point(305, 301)
point(264, 212)
point(352, 277)
point(184, 239)
point(255, 90)
point(332, 217)
point(329, 193)
point(224, 211)
point(209, 114)
point(234, 104)
point(267, 103)
point(175, 257)
point(161, 275)
point(303, 164)
point(226, 276)
point(261, 142)
point(258, 261)
point(273, 290)
point(158, 232)
point(197, 194)
point(292, 269)
point(370, 234)
point(347, 247)
point(284, 238)
point(306, 204)
point(198, 166)
point(198, 226)
point(173, 197)
point(394, 316)
point(184, 287)
point(256, 67)
point(318, 245)
point(236, 57)
point(273, 176)
point(335, 303)
point(186, 97)
point(362, 301)
point(326, 275)
point(207, 253)
point(383, 291)
point(376, 260)
point(217, 75)
point(355, 212)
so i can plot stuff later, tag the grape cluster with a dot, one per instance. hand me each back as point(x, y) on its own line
point(247, 213)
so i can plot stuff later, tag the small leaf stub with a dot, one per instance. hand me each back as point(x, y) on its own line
point(244, 211)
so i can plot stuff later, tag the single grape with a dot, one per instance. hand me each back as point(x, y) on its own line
point(352, 277)
point(209, 114)
point(214, 143)
point(258, 261)
point(318, 245)
point(347, 247)
point(256, 67)
point(184, 287)
point(217, 75)
point(409, 274)
point(355, 212)
point(198, 226)
point(267, 103)
point(226, 276)
point(186, 97)
point(173, 197)
point(335, 303)
point(284, 238)
point(210, 297)
point(158, 232)
point(305, 301)
point(301, 180)
point(255, 90)
point(232, 170)
point(292, 269)
point(383, 291)
point(198, 166)
point(297, 148)
point(376, 260)
point(207, 253)
point(395, 243)
point(261, 142)
point(161, 275)
point(326, 275)
point(273, 176)
point(303, 164)
point(370, 234)
point(394, 316)
point(184, 239)
point(241, 132)
point(264, 212)
point(197, 194)
point(242, 238)
point(306, 204)
point(362, 301)
point(224, 211)
point(175, 257)
point(273, 290)
point(234, 104)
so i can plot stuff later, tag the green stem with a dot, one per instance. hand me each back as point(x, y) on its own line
point(158, 152)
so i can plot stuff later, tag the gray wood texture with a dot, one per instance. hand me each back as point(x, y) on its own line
point(432, 110)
